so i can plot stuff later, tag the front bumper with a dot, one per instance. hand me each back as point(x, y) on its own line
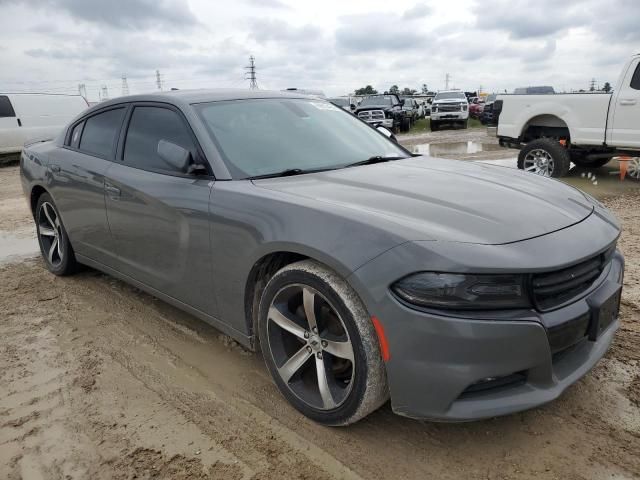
point(387, 122)
point(436, 359)
point(444, 116)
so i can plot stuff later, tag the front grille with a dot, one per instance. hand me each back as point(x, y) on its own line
point(551, 289)
point(371, 115)
point(449, 108)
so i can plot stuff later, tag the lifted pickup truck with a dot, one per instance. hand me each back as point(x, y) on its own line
point(588, 129)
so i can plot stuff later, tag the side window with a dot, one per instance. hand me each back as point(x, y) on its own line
point(100, 132)
point(74, 139)
point(635, 81)
point(147, 127)
point(6, 109)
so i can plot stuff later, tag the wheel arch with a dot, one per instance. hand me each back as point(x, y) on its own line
point(266, 266)
point(36, 191)
point(545, 125)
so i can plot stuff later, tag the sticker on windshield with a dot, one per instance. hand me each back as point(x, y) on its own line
point(325, 106)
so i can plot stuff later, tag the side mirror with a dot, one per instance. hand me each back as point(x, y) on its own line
point(387, 133)
point(353, 106)
point(402, 101)
point(174, 155)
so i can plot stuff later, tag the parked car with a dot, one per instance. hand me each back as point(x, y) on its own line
point(476, 107)
point(411, 109)
point(486, 117)
point(449, 107)
point(359, 271)
point(29, 116)
point(346, 103)
point(385, 110)
point(587, 129)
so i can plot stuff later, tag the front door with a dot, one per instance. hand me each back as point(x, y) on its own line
point(625, 130)
point(159, 216)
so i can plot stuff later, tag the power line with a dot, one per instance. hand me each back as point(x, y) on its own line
point(251, 73)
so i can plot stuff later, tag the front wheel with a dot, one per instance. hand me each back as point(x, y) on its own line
point(465, 124)
point(405, 124)
point(545, 157)
point(320, 345)
point(434, 126)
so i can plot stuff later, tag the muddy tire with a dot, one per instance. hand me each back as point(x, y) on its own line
point(320, 345)
point(55, 247)
point(545, 157)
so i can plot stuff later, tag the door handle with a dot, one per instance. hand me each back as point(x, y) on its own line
point(112, 192)
point(55, 168)
point(628, 101)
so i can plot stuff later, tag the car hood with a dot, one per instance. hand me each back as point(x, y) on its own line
point(425, 198)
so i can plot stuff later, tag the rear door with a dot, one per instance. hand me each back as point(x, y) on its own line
point(159, 216)
point(77, 173)
point(625, 130)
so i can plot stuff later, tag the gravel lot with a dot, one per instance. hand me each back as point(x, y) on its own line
point(99, 380)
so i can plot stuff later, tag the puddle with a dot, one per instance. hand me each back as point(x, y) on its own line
point(14, 247)
point(454, 148)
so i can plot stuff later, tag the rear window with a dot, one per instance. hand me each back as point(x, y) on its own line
point(100, 131)
point(635, 81)
point(6, 109)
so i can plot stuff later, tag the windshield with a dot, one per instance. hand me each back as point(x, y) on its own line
point(378, 100)
point(450, 96)
point(342, 102)
point(491, 98)
point(265, 136)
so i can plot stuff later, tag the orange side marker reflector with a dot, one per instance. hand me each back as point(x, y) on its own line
point(382, 339)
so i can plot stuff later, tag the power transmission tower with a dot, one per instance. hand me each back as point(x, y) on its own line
point(82, 90)
point(592, 86)
point(447, 78)
point(125, 85)
point(158, 80)
point(251, 73)
point(105, 93)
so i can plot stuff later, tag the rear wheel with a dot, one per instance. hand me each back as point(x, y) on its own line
point(546, 157)
point(405, 124)
point(320, 345)
point(53, 239)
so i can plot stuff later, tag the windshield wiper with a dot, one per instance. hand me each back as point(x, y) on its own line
point(289, 172)
point(372, 160)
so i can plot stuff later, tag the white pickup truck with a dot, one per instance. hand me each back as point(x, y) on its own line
point(588, 129)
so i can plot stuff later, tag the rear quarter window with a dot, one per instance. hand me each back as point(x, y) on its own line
point(6, 109)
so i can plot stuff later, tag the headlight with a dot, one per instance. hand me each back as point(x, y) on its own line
point(460, 291)
point(434, 109)
point(464, 108)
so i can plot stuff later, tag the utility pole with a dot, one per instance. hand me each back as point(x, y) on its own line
point(447, 78)
point(158, 80)
point(82, 90)
point(251, 73)
point(125, 85)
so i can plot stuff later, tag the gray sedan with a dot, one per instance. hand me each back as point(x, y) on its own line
point(362, 272)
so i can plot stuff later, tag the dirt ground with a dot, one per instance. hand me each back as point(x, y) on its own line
point(101, 381)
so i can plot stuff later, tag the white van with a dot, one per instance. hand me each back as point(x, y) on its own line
point(34, 116)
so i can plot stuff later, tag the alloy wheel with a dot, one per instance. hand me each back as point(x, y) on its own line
point(310, 346)
point(539, 161)
point(50, 234)
point(633, 168)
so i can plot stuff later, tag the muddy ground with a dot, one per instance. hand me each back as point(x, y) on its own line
point(99, 380)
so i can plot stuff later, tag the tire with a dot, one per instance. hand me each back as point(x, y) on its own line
point(545, 151)
point(465, 124)
point(581, 162)
point(357, 387)
point(405, 124)
point(55, 247)
point(434, 126)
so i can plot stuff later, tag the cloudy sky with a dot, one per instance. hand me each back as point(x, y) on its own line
point(335, 46)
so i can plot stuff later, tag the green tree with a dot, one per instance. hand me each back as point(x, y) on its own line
point(408, 91)
point(424, 89)
point(607, 87)
point(394, 89)
point(368, 90)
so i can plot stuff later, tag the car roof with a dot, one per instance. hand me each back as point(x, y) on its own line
point(189, 97)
